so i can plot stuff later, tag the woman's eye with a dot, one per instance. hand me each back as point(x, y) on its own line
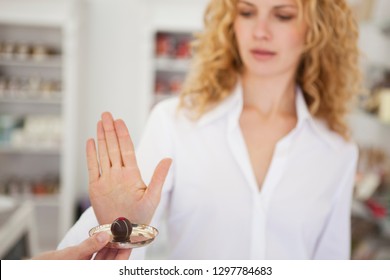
point(284, 17)
point(246, 13)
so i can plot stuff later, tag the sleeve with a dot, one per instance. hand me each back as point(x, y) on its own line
point(157, 143)
point(80, 230)
point(335, 241)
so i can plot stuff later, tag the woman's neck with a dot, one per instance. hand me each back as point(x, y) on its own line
point(271, 96)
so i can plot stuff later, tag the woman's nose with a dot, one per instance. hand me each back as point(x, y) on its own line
point(261, 30)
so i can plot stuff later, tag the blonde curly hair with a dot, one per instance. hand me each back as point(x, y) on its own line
point(328, 74)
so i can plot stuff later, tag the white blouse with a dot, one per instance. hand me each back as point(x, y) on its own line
point(211, 201)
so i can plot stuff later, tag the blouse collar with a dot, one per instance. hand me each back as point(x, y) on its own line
point(232, 106)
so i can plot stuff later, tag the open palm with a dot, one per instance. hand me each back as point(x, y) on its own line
point(116, 188)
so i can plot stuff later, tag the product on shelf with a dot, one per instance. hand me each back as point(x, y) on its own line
point(7, 125)
point(384, 106)
point(29, 88)
point(175, 84)
point(377, 102)
point(7, 50)
point(171, 45)
point(164, 45)
point(39, 52)
point(372, 173)
point(22, 51)
point(25, 51)
point(183, 49)
point(160, 87)
point(31, 132)
point(3, 86)
point(371, 206)
point(30, 187)
point(169, 86)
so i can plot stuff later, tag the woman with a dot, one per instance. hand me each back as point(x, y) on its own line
point(262, 167)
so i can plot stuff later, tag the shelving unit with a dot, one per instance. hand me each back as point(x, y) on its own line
point(371, 207)
point(171, 62)
point(38, 111)
point(54, 61)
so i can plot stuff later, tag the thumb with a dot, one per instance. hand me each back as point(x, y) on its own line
point(158, 179)
point(92, 245)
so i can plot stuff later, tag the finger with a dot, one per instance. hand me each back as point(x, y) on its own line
point(111, 140)
point(158, 179)
point(51, 255)
point(92, 162)
point(101, 255)
point(123, 254)
point(125, 144)
point(92, 245)
point(102, 148)
point(107, 254)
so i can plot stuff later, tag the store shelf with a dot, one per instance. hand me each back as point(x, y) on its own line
point(49, 62)
point(172, 65)
point(29, 151)
point(31, 101)
point(47, 200)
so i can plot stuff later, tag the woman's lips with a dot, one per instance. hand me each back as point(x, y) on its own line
point(262, 55)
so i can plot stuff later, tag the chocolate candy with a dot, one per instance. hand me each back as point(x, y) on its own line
point(121, 229)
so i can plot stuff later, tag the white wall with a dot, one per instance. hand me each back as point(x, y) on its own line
point(110, 65)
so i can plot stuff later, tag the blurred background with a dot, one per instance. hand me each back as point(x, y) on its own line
point(64, 62)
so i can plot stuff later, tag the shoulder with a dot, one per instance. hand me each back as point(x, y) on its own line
point(167, 108)
point(168, 112)
point(162, 115)
point(340, 146)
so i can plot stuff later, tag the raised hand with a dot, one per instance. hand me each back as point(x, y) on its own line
point(116, 188)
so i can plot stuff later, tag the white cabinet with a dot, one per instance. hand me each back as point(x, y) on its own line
point(170, 30)
point(38, 110)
